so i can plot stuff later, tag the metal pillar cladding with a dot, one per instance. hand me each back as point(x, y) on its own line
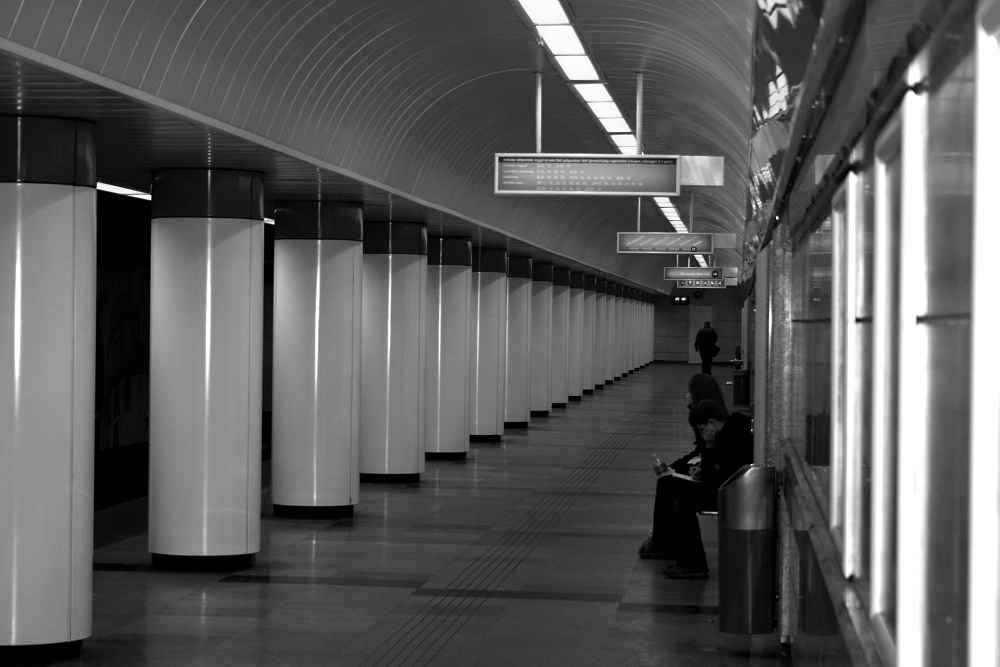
point(48, 303)
point(610, 341)
point(317, 358)
point(517, 386)
point(488, 334)
point(205, 364)
point(540, 367)
point(574, 375)
point(600, 315)
point(587, 348)
point(560, 337)
point(449, 284)
point(393, 351)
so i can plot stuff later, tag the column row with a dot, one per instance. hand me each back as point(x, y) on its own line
point(389, 348)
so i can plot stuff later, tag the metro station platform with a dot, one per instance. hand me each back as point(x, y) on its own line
point(523, 554)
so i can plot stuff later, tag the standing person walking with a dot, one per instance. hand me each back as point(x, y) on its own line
point(704, 343)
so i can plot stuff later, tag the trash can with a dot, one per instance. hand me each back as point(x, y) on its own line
point(741, 387)
point(747, 551)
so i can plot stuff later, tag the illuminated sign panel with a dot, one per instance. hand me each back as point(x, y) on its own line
point(665, 243)
point(691, 272)
point(585, 174)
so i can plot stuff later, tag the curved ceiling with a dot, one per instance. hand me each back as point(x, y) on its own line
point(396, 103)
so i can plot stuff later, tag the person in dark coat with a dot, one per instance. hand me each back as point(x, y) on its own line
point(704, 344)
point(728, 445)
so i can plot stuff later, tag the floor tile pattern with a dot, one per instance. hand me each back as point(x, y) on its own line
point(522, 554)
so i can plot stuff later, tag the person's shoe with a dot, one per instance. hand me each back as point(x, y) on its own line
point(646, 550)
point(685, 572)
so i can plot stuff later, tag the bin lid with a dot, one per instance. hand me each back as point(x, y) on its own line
point(746, 500)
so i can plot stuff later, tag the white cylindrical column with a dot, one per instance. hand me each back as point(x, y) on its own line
point(393, 351)
point(600, 314)
point(488, 338)
point(587, 351)
point(560, 337)
point(449, 282)
point(517, 403)
point(541, 338)
point(610, 341)
point(630, 364)
point(621, 341)
point(205, 367)
point(574, 368)
point(317, 358)
point(48, 258)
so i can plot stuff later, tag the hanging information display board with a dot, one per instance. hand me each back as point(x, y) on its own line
point(665, 243)
point(586, 174)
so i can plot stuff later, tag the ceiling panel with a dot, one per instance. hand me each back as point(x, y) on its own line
point(396, 104)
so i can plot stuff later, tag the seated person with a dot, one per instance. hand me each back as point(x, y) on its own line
point(728, 445)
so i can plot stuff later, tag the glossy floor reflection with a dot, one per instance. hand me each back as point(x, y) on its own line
point(524, 554)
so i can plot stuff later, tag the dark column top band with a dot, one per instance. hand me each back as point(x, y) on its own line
point(576, 280)
point(619, 291)
point(541, 271)
point(449, 251)
point(590, 283)
point(395, 238)
point(519, 267)
point(610, 288)
point(560, 276)
point(330, 220)
point(489, 260)
point(601, 286)
point(208, 193)
point(47, 150)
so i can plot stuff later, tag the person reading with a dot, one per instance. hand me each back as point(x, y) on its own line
point(676, 536)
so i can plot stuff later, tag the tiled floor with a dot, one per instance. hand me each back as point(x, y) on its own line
point(524, 554)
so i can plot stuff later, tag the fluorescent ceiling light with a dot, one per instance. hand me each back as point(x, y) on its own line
point(544, 12)
point(118, 190)
point(628, 150)
point(624, 140)
point(578, 68)
point(663, 201)
point(701, 260)
point(615, 125)
point(593, 92)
point(268, 221)
point(605, 109)
point(561, 40)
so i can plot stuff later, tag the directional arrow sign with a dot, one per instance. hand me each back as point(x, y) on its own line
point(664, 243)
point(691, 272)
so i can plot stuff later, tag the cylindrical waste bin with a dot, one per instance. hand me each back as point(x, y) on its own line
point(746, 551)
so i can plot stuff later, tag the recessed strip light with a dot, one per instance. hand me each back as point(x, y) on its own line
point(544, 12)
point(628, 150)
point(593, 92)
point(624, 140)
point(701, 260)
point(605, 109)
point(562, 40)
point(615, 124)
point(578, 68)
point(118, 190)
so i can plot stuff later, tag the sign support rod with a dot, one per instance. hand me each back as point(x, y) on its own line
point(638, 142)
point(538, 112)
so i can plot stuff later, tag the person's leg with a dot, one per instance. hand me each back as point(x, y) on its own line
point(658, 545)
point(688, 550)
point(706, 365)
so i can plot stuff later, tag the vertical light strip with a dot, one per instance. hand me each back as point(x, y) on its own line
point(19, 232)
point(912, 488)
point(837, 388)
point(206, 398)
point(388, 362)
point(440, 336)
point(316, 407)
point(853, 487)
point(984, 496)
point(883, 455)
